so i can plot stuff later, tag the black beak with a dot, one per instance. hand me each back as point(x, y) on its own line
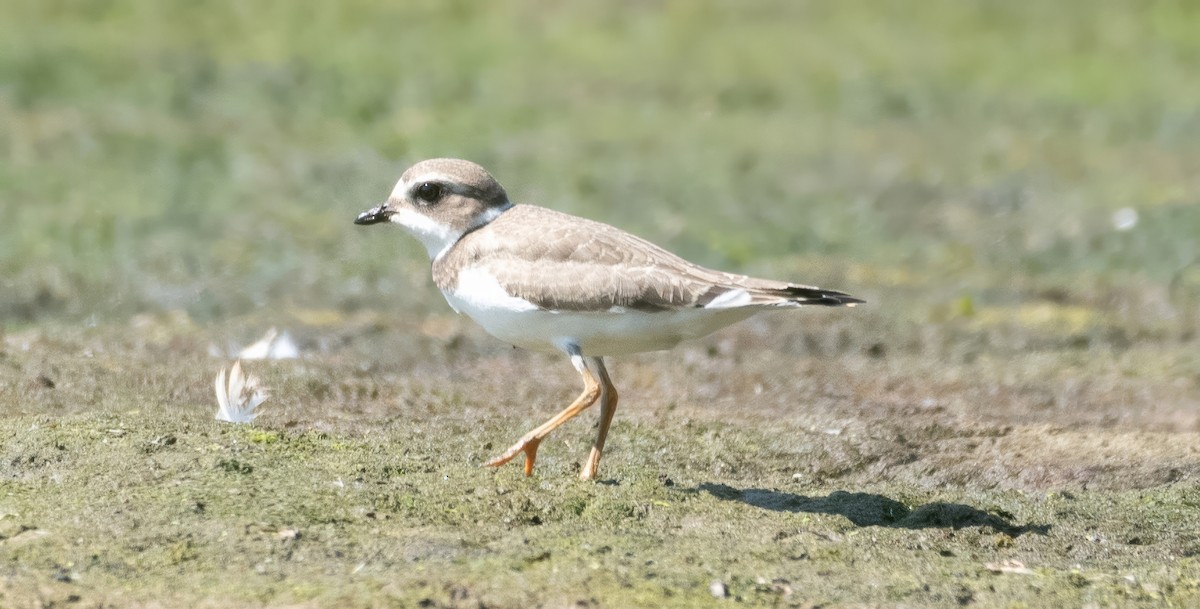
point(375, 215)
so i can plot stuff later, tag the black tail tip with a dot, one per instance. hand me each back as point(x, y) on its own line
point(840, 300)
point(847, 300)
point(825, 298)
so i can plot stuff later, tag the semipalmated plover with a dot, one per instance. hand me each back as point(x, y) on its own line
point(548, 281)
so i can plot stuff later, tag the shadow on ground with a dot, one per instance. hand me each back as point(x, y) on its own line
point(869, 509)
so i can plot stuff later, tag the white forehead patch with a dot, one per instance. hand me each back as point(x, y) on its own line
point(400, 190)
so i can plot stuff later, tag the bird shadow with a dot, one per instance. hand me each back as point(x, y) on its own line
point(870, 509)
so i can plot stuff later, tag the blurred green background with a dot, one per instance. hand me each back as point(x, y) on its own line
point(210, 156)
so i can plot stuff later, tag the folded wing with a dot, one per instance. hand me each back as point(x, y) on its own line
point(574, 264)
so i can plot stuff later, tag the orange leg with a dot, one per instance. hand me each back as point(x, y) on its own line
point(608, 407)
point(528, 443)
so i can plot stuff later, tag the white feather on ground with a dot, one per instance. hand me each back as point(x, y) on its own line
point(239, 395)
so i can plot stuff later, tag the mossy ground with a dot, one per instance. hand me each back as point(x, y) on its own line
point(795, 480)
point(1023, 387)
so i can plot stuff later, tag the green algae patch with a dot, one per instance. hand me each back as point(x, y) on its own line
point(1043, 317)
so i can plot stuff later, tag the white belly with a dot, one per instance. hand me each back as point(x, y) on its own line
point(520, 323)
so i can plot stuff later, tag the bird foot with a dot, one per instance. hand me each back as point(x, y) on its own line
point(529, 446)
point(591, 467)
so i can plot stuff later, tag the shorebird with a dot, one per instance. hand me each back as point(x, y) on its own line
point(549, 281)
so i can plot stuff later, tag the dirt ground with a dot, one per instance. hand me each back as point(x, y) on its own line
point(794, 460)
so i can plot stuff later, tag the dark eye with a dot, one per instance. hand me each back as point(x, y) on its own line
point(429, 192)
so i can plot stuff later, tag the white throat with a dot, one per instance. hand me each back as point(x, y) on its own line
point(438, 238)
point(435, 236)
